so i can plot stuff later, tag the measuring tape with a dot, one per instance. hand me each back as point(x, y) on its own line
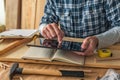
point(103, 53)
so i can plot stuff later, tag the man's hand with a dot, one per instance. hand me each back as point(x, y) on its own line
point(51, 31)
point(89, 45)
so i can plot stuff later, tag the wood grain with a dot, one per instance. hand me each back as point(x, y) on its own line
point(28, 14)
point(88, 76)
point(13, 45)
point(32, 11)
point(16, 54)
point(13, 14)
point(39, 12)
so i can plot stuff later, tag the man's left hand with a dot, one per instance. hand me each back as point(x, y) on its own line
point(89, 45)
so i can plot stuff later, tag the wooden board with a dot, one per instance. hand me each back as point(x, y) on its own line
point(28, 14)
point(14, 44)
point(115, 46)
point(32, 11)
point(39, 12)
point(24, 14)
point(16, 54)
point(106, 62)
point(13, 14)
point(91, 62)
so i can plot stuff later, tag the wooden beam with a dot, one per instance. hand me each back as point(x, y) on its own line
point(39, 12)
point(14, 44)
point(13, 14)
point(28, 14)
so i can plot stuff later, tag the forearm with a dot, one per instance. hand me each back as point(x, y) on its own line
point(112, 14)
point(109, 37)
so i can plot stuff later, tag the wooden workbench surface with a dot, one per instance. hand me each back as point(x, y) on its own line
point(88, 76)
point(15, 55)
point(90, 62)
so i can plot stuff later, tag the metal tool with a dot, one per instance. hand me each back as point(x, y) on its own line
point(16, 70)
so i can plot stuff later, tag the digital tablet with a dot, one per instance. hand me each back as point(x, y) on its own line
point(65, 45)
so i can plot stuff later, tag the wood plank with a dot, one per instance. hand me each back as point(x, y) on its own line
point(39, 12)
point(92, 65)
point(14, 44)
point(115, 46)
point(73, 39)
point(13, 14)
point(90, 61)
point(28, 14)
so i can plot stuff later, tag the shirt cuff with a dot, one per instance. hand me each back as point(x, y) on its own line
point(108, 38)
point(41, 27)
point(100, 41)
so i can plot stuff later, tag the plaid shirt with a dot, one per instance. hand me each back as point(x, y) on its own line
point(82, 18)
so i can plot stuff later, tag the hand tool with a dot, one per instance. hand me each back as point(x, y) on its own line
point(16, 70)
point(103, 53)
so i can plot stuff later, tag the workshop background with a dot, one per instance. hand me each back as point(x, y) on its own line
point(2, 12)
point(25, 14)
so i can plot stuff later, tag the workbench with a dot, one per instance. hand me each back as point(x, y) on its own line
point(98, 68)
point(88, 76)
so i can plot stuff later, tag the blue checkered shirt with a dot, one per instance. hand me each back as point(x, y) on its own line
point(82, 18)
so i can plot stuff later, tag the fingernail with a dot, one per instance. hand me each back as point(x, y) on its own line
point(53, 35)
point(83, 49)
point(60, 41)
point(83, 54)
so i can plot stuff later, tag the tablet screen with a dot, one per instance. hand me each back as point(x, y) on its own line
point(65, 45)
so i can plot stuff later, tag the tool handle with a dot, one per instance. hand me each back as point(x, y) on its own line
point(42, 71)
point(54, 72)
point(72, 73)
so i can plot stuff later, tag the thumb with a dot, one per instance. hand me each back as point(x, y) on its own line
point(85, 43)
point(60, 37)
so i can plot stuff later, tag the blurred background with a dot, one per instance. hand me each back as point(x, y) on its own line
point(2, 15)
point(2, 12)
point(21, 14)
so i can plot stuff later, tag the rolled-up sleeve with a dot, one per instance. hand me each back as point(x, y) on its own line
point(49, 14)
point(108, 38)
point(112, 9)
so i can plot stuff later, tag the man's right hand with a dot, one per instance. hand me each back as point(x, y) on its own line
point(51, 31)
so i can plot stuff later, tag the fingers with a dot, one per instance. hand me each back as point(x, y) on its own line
point(51, 31)
point(48, 32)
point(79, 53)
point(89, 44)
point(59, 33)
point(85, 43)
